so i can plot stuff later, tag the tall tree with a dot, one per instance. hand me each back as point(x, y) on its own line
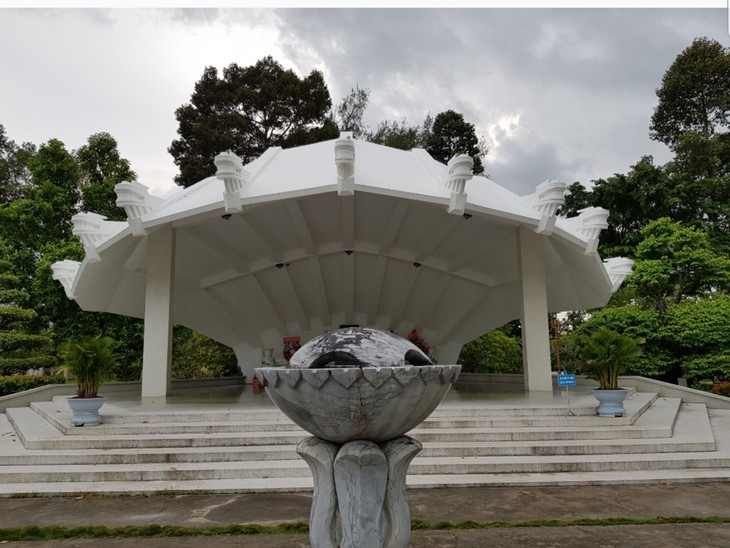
point(451, 135)
point(577, 198)
point(41, 216)
point(101, 169)
point(247, 111)
point(400, 135)
point(695, 94)
point(14, 167)
point(349, 113)
point(21, 347)
point(674, 262)
point(633, 200)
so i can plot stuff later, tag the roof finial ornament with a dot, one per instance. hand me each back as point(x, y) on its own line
point(588, 224)
point(547, 198)
point(234, 177)
point(137, 202)
point(90, 228)
point(460, 171)
point(65, 272)
point(618, 269)
point(345, 162)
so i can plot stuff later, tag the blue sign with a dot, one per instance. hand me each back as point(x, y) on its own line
point(566, 380)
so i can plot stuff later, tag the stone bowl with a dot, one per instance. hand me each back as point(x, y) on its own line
point(371, 403)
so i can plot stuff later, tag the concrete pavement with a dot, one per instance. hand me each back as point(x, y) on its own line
point(453, 504)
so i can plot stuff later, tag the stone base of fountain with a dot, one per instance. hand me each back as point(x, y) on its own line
point(358, 390)
point(359, 492)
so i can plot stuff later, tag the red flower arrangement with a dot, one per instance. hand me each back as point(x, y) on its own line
point(417, 340)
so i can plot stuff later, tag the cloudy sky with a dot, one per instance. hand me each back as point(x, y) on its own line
point(561, 94)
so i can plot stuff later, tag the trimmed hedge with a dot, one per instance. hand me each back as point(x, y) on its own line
point(18, 383)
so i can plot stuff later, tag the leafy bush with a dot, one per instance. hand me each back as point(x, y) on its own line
point(196, 356)
point(707, 366)
point(637, 323)
point(11, 384)
point(495, 352)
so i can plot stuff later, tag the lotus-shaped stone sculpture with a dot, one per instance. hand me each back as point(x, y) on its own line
point(358, 384)
point(358, 391)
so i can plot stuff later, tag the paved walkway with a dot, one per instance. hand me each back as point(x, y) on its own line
point(454, 504)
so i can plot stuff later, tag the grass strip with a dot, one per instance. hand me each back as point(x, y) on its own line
point(421, 525)
point(57, 532)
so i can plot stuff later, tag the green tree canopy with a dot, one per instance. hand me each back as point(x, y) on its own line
point(633, 200)
point(101, 169)
point(14, 169)
point(351, 110)
point(41, 215)
point(452, 135)
point(21, 347)
point(695, 93)
point(674, 262)
point(246, 111)
point(400, 135)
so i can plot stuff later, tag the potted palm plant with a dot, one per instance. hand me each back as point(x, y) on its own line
point(92, 362)
point(603, 357)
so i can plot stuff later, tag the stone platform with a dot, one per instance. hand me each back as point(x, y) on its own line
point(232, 440)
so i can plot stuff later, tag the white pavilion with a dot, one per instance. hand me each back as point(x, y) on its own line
point(343, 232)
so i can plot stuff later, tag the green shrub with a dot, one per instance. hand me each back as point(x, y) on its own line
point(11, 384)
point(637, 323)
point(712, 366)
point(196, 356)
point(495, 352)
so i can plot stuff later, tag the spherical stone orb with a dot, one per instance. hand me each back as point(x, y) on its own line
point(358, 347)
point(365, 388)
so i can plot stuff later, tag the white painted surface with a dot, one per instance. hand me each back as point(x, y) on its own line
point(368, 241)
point(157, 356)
point(535, 341)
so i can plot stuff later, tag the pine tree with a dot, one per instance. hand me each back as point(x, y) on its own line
point(19, 349)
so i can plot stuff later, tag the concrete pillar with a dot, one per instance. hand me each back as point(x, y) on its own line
point(535, 334)
point(248, 358)
point(157, 355)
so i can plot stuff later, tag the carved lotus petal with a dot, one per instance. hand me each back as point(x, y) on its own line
point(271, 377)
point(315, 377)
point(377, 376)
point(291, 376)
point(345, 404)
point(430, 374)
point(448, 375)
point(406, 375)
point(346, 377)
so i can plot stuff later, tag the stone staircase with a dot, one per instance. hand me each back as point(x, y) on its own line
point(466, 442)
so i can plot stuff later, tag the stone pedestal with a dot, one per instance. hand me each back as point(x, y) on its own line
point(359, 492)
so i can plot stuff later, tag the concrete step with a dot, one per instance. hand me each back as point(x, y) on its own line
point(40, 434)
point(656, 422)
point(467, 425)
point(692, 432)
point(184, 471)
point(662, 438)
point(558, 404)
point(289, 485)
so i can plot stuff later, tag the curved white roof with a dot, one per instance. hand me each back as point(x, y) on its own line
point(299, 242)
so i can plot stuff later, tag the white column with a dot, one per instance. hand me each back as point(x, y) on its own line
point(535, 335)
point(157, 356)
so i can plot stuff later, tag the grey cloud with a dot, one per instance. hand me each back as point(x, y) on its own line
point(585, 78)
